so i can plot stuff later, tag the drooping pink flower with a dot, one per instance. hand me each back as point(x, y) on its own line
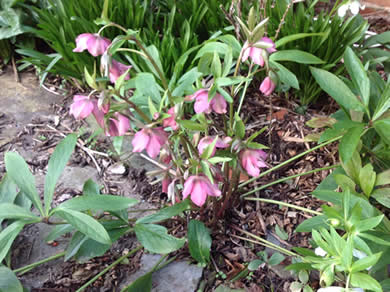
point(118, 125)
point(94, 43)
point(116, 70)
point(165, 183)
point(151, 140)
point(267, 86)
point(99, 112)
point(199, 187)
point(171, 122)
point(81, 107)
point(252, 160)
point(256, 54)
point(206, 141)
point(203, 105)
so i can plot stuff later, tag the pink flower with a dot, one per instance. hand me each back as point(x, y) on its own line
point(252, 160)
point(99, 113)
point(81, 107)
point(199, 187)
point(165, 183)
point(203, 105)
point(171, 122)
point(151, 140)
point(94, 43)
point(256, 54)
point(267, 86)
point(117, 69)
point(206, 141)
point(118, 125)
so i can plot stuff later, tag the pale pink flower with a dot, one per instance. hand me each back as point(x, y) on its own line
point(151, 140)
point(199, 187)
point(267, 86)
point(252, 160)
point(256, 54)
point(203, 105)
point(116, 70)
point(118, 125)
point(94, 43)
point(206, 141)
point(165, 184)
point(81, 107)
point(171, 122)
point(99, 112)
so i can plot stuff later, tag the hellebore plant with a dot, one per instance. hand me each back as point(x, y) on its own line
point(190, 122)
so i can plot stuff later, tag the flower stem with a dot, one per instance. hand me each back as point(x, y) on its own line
point(287, 178)
point(285, 205)
point(27, 268)
point(108, 268)
point(288, 161)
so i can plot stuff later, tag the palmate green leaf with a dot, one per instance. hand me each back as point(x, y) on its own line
point(336, 88)
point(9, 282)
point(364, 281)
point(12, 211)
point(57, 163)
point(358, 74)
point(199, 241)
point(100, 202)
point(296, 56)
point(20, 174)
point(7, 237)
point(85, 224)
point(166, 213)
point(155, 238)
point(349, 143)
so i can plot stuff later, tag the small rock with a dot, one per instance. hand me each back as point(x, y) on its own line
point(117, 168)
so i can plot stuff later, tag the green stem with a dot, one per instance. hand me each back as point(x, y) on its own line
point(289, 160)
point(287, 178)
point(131, 51)
point(268, 243)
point(108, 268)
point(284, 204)
point(159, 72)
point(137, 109)
point(27, 268)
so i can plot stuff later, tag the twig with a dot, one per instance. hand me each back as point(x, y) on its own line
point(17, 78)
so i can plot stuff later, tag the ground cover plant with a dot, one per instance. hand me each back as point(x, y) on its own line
point(190, 122)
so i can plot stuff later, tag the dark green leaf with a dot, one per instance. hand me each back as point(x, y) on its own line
point(100, 202)
point(166, 213)
point(286, 76)
point(7, 237)
point(349, 143)
point(85, 224)
point(57, 163)
point(91, 188)
point(199, 241)
point(143, 283)
point(156, 239)
point(312, 223)
point(12, 211)
point(255, 264)
point(19, 172)
point(276, 259)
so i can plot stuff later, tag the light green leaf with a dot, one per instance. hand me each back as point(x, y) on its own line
point(365, 281)
point(276, 259)
point(91, 188)
point(199, 241)
point(9, 282)
point(370, 223)
point(191, 125)
point(217, 159)
point(383, 129)
point(57, 163)
point(155, 238)
point(100, 202)
point(294, 37)
point(382, 196)
point(312, 223)
point(365, 262)
point(255, 264)
point(12, 211)
point(367, 178)
point(381, 179)
point(85, 224)
point(295, 56)
point(20, 174)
